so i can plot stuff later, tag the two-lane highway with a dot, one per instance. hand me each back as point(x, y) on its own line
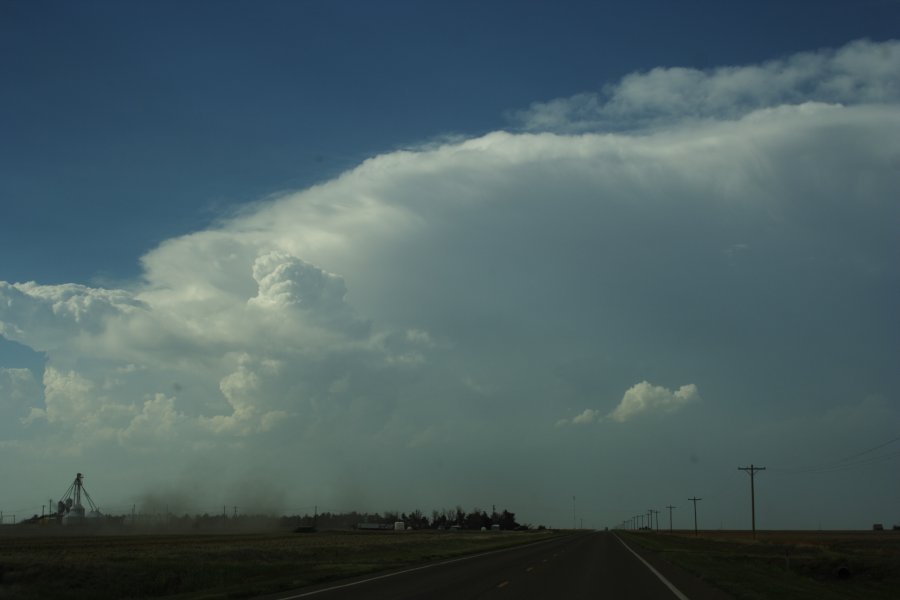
point(588, 565)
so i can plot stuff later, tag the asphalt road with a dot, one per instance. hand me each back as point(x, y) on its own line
point(587, 565)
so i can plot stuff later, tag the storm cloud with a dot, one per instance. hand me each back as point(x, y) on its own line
point(735, 229)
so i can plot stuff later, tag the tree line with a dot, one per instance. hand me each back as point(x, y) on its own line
point(455, 518)
point(446, 519)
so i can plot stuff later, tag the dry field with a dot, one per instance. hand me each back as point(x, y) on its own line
point(56, 564)
point(796, 565)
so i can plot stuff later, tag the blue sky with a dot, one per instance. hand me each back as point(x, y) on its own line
point(128, 122)
point(347, 229)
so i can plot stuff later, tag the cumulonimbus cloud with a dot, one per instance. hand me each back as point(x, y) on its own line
point(424, 287)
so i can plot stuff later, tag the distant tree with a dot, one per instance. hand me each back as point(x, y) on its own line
point(417, 520)
point(477, 519)
point(439, 520)
point(507, 520)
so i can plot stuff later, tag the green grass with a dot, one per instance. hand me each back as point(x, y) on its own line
point(791, 565)
point(66, 566)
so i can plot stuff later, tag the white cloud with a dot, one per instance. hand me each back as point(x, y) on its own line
point(542, 243)
point(19, 392)
point(588, 416)
point(156, 423)
point(69, 396)
point(860, 72)
point(645, 398)
point(465, 294)
point(250, 400)
point(640, 399)
point(286, 281)
point(46, 317)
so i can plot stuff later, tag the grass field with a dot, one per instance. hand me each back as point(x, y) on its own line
point(37, 564)
point(795, 565)
point(65, 566)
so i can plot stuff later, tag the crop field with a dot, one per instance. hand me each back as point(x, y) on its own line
point(44, 564)
point(796, 565)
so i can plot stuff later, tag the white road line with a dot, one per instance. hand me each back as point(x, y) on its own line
point(414, 569)
point(665, 581)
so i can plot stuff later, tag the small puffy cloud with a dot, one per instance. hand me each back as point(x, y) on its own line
point(286, 281)
point(588, 416)
point(640, 399)
point(860, 72)
point(647, 398)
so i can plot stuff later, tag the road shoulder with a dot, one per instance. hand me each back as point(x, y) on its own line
point(693, 587)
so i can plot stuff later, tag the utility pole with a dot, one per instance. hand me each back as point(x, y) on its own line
point(656, 514)
point(670, 507)
point(695, 500)
point(752, 472)
point(573, 512)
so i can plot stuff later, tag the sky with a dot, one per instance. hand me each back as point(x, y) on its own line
point(578, 260)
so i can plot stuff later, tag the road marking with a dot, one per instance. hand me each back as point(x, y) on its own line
point(414, 569)
point(665, 581)
point(529, 569)
point(503, 584)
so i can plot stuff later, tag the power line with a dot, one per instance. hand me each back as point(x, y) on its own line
point(872, 460)
point(849, 462)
